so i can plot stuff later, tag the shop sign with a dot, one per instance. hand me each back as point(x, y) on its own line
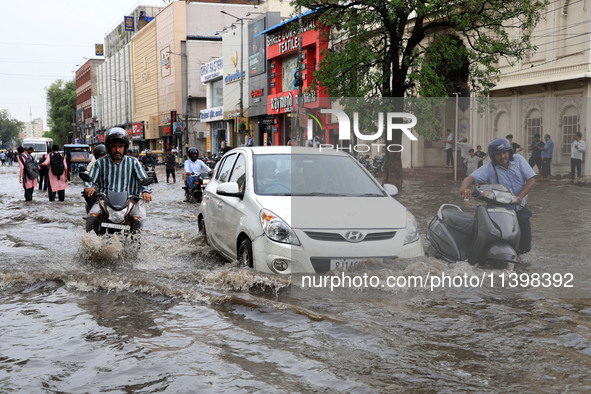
point(212, 70)
point(211, 114)
point(282, 103)
point(136, 131)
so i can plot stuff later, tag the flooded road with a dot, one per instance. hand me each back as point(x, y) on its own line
point(80, 314)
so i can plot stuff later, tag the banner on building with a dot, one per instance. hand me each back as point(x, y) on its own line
point(98, 50)
point(129, 23)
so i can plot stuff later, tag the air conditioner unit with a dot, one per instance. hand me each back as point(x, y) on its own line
point(201, 134)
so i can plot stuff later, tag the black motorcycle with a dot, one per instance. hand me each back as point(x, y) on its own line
point(151, 172)
point(489, 238)
point(196, 195)
point(114, 215)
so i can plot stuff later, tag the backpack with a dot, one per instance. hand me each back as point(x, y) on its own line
point(56, 162)
point(30, 168)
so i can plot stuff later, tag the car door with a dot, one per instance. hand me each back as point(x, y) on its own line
point(232, 209)
point(214, 223)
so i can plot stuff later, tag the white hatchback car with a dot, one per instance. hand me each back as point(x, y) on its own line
point(289, 210)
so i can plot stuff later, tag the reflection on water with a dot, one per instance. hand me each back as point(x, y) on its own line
point(80, 313)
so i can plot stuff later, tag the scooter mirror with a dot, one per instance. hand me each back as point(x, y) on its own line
point(85, 177)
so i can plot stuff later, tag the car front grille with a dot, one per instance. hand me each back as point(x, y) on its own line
point(336, 237)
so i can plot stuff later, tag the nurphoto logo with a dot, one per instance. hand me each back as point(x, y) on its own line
point(393, 121)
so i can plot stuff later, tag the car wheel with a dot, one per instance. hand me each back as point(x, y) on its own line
point(245, 254)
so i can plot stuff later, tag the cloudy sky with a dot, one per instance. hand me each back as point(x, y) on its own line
point(42, 41)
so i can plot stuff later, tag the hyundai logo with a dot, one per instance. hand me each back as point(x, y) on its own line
point(354, 236)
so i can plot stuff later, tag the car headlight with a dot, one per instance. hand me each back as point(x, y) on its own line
point(412, 230)
point(276, 229)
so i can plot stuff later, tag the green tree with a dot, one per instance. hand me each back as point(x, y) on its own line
point(61, 97)
point(401, 48)
point(9, 128)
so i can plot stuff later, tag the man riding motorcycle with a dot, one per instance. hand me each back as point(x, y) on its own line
point(148, 160)
point(194, 167)
point(118, 172)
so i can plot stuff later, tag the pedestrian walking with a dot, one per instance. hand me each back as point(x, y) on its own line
point(3, 157)
point(29, 183)
point(58, 176)
point(43, 172)
point(577, 149)
point(170, 161)
point(536, 153)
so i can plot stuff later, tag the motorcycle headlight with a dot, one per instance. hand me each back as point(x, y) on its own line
point(116, 216)
point(276, 229)
point(412, 230)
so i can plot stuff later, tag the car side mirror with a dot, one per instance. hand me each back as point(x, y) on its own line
point(229, 189)
point(391, 189)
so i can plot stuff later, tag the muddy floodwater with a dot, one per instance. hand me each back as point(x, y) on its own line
point(79, 313)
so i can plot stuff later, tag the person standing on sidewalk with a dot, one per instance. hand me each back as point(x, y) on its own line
point(547, 158)
point(449, 149)
point(577, 149)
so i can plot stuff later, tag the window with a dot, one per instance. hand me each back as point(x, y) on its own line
point(239, 172)
point(225, 168)
point(570, 126)
point(533, 127)
point(217, 93)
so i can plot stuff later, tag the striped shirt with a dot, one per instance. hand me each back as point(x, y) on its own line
point(123, 177)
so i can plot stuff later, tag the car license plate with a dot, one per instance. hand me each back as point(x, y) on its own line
point(116, 226)
point(344, 263)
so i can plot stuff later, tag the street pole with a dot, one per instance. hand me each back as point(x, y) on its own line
point(301, 79)
point(456, 141)
point(186, 110)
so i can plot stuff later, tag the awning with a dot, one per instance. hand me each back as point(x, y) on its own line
point(284, 23)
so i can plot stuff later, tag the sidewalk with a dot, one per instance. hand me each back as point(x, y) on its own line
point(446, 175)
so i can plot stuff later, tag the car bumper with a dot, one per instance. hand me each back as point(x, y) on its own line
point(316, 257)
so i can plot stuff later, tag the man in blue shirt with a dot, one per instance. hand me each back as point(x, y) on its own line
point(547, 157)
point(513, 172)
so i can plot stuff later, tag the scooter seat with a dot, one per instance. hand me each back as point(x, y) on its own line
point(462, 222)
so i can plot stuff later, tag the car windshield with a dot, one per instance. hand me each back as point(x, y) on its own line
point(312, 175)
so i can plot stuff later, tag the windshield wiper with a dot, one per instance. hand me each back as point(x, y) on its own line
point(371, 195)
point(320, 194)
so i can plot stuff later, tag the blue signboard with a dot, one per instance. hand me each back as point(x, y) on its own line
point(129, 23)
